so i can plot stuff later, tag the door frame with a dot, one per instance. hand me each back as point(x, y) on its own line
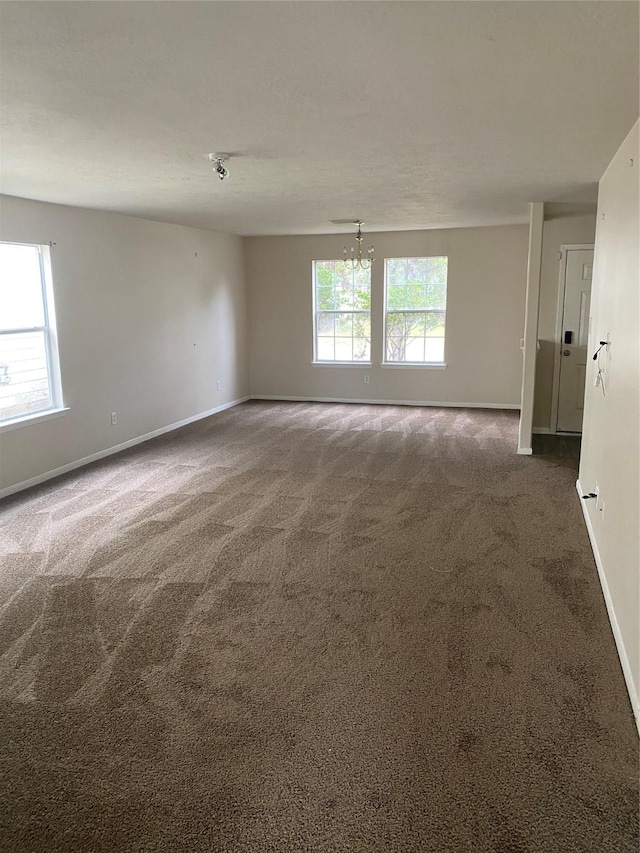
point(565, 248)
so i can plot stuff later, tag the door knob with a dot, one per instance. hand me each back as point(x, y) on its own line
point(567, 352)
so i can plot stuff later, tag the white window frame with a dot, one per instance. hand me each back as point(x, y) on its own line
point(317, 312)
point(56, 406)
point(386, 312)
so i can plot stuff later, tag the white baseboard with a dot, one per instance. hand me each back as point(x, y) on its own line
point(279, 397)
point(101, 454)
point(525, 451)
point(617, 634)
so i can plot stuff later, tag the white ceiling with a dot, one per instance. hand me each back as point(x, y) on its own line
point(404, 114)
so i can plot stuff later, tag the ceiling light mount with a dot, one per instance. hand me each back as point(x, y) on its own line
point(219, 168)
point(355, 259)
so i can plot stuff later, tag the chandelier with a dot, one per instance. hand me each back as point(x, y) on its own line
point(219, 168)
point(356, 260)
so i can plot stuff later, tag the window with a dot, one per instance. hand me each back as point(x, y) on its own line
point(29, 372)
point(342, 313)
point(415, 306)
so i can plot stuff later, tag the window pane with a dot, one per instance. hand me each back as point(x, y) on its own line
point(436, 282)
point(344, 325)
point(20, 287)
point(325, 349)
point(405, 348)
point(434, 349)
point(342, 291)
point(425, 280)
point(416, 296)
point(344, 295)
point(362, 289)
point(435, 324)
point(325, 324)
point(325, 298)
point(395, 270)
point(324, 274)
point(362, 298)
point(362, 326)
point(396, 296)
point(412, 284)
point(406, 324)
point(415, 349)
point(24, 382)
point(361, 349)
point(396, 347)
point(344, 349)
point(417, 325)
point(361, 278)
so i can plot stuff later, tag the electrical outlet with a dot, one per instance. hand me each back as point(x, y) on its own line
point(219, 385)
point(114, 418)
point(366, 379)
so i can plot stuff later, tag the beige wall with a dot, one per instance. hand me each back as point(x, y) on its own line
point(149, 317)
point(563, 224)
point(485, 316)
point(611, 431)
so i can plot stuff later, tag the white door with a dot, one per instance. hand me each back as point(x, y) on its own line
point(573, 343)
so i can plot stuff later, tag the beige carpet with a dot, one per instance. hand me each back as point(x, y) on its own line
point(306, 627)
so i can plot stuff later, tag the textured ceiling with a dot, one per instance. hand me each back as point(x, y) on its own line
point(404, 114)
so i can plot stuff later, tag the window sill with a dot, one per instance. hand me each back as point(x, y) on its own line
point(36, 418)
point(427, 365)
point(342, 364)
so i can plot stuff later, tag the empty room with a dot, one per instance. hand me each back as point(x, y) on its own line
point(319, 426)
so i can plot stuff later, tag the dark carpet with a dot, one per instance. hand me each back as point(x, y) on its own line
point(307, 627)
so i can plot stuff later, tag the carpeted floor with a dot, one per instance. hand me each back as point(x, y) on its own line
point(306, 627)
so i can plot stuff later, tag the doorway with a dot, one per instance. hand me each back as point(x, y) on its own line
point(572, 332)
